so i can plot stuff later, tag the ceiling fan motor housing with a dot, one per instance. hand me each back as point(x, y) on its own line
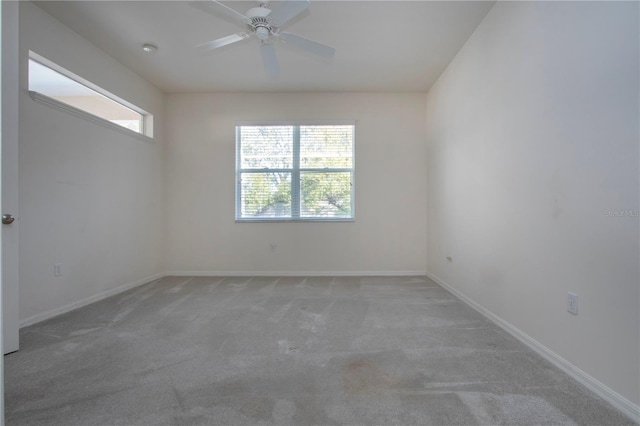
point(259, 22)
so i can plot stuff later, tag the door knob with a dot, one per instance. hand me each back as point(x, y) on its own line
point(7, 219)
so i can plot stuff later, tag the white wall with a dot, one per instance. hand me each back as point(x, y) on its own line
point(388, 235)
point(91, 198)
point(532, 137)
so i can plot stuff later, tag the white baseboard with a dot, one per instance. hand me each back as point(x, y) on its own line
point(625, 406)
point(295, 273)
point(80, 303)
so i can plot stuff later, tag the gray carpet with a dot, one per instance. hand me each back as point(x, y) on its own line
point(286, 351)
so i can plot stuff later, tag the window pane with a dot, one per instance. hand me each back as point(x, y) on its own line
point(326, 147)
point(265, 195)
point(268, 147)
point(43, 79)
point(296, 172)
point(325, 194)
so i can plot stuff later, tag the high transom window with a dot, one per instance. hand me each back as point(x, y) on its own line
point(294, 172)
point(58, 87)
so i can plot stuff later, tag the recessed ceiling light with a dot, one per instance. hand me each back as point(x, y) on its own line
point(149, 48)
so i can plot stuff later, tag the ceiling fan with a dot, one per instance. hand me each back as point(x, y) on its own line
point(265, 24)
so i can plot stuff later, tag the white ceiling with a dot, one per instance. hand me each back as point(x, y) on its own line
point(380, 45)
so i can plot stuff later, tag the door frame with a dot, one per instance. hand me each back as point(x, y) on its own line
point(9, 173)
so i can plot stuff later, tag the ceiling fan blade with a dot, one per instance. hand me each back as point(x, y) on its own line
point(214, 6)
point(289, 10)
point(308, 45)
point(269, 59)
point(214, 44)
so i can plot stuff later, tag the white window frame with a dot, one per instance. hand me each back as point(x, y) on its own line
point(295, 171)
point(146, 123)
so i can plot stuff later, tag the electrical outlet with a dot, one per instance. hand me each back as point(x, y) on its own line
point(572, 303)
point(272, 247)
point(57, 269)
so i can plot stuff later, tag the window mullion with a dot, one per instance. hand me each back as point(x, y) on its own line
point(238, 172)
point(295, 176)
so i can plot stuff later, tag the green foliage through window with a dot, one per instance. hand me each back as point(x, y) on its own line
point(294, 172)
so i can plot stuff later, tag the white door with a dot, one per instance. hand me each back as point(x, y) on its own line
point(9, 178)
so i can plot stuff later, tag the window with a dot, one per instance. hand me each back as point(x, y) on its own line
point(294, 172)
point(55, 83)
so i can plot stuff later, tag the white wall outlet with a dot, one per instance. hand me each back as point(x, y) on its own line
point(572, 303)
point(272, 247)
point(57, 269)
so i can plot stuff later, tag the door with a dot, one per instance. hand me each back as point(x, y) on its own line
point(9, 176)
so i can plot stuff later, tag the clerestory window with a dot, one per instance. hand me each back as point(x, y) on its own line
point(57, 87)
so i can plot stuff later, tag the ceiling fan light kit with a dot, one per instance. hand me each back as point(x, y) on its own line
point(263, 23)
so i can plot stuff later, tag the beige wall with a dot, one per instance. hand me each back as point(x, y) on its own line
point(91, 198)
point(532, 138)
point(388, 235)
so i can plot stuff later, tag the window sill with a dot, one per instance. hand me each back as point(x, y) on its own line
point(314, 220)
point(46, 100)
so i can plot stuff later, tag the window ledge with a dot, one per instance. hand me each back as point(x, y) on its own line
point(46, 100)
point(289, 220)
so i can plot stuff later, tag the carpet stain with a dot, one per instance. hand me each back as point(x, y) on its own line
point(365, 376)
